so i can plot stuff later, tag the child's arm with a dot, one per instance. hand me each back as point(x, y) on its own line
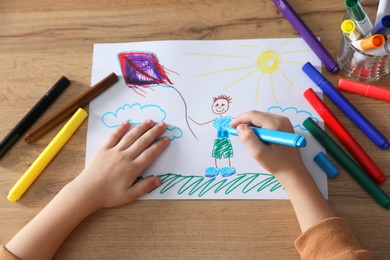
point(287, 166)
point(324, 235)
point(107, 181)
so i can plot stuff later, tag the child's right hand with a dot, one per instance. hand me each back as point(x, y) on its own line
point(277, 159)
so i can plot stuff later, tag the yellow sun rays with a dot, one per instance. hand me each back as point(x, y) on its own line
point(268, 62)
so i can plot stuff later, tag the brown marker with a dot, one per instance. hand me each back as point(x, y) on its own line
point(80, 101)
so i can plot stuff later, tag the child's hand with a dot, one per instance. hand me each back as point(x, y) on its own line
point(272, 157)
point(109, 176)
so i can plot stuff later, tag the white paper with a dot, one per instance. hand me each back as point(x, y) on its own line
point(259, 74)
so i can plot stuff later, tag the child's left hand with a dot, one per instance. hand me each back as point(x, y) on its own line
point(109, 176)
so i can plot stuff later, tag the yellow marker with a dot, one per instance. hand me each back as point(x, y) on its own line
point(350, 30)
point(47, 155)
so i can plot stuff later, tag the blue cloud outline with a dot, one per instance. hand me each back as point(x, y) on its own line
point(122, 108)
point(170, 129)
point(297, 112)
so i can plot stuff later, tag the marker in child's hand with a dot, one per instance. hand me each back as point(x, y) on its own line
point(271, 136)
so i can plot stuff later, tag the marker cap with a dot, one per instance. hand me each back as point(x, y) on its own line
point(386, 20)
point(326, 165)
point(75, 121)
point(314, 100)
point(364, 89)
point(348, 26)
point(356, 9)
point(300, 142)
point(372, 42)
point(314, 129)
point(382, 27)
point(359, 87)
point(313, 73)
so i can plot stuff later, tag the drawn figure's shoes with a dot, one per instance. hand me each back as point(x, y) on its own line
point(211, 172)
point(227, 171)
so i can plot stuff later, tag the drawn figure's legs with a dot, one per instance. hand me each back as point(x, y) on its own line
point(211, 172)
point(222, 149)
point(216, 162)
point(227, 171)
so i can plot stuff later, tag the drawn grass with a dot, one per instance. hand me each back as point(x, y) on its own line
point(199, 186)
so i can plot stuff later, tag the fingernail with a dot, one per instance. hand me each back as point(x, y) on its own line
point(157, 182)
point(240, 128)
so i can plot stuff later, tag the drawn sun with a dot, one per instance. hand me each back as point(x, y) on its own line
point(267, 64)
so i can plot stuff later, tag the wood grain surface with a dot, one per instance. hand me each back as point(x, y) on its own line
point(41, 40)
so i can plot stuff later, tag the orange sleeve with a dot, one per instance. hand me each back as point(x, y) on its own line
point(6, 255)
point(333, 239)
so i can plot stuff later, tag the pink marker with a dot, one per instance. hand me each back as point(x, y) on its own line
point(364, 89)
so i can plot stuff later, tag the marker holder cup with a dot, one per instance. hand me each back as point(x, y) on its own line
point(358, 65)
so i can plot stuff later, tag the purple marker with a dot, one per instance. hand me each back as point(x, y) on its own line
point(307, 35)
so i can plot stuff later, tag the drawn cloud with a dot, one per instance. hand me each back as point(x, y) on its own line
point(296, 116)
point(134, 113)
point(173, 133)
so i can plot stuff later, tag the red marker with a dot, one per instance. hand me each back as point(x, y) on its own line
point(364, 89)
point(345, 137)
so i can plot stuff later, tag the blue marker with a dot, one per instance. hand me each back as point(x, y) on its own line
point(360, 121)
point(272, 136)
point(382, 27)
point(326, 165)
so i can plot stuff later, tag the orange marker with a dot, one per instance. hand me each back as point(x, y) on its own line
point(375, 41)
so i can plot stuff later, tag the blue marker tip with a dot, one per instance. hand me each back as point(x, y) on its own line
point(301, 141)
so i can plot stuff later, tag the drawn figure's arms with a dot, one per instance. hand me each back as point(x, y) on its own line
point(208, 122)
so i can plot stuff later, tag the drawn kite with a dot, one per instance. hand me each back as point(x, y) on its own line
point(142, 70)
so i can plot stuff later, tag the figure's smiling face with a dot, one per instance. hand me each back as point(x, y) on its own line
point(220, 106)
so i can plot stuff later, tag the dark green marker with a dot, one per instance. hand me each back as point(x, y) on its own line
point(347, 163)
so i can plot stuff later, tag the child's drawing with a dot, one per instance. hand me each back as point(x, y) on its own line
point(175, 82)
point(142, 70)
point(222, 146)
point(297, 115)
point(269, 63)
point(136, 114)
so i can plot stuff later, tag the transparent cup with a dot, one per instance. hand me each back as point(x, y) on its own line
point(358, 65)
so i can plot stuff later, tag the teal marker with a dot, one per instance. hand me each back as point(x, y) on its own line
point(359, 16)
point(271, 136)
point(348, 164)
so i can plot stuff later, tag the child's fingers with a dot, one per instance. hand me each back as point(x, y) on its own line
point(263, 119)
point(131, 137)
point(117, 135)
point(150, 154)
point(142, 187)
point(252, 117)
point(250, 140)
point(144, 141)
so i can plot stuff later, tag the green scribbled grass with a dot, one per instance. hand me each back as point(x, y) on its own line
point(200, 185)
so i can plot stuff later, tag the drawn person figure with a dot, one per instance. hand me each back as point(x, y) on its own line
point(222, 146)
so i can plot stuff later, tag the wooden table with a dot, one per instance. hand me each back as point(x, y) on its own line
point(42, 40)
